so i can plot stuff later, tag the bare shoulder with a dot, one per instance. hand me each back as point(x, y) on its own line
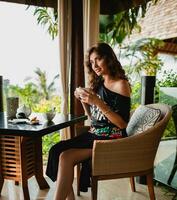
point(122, 87)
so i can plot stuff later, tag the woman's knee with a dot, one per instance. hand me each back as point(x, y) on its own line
point(74, 156)
point(66, 158)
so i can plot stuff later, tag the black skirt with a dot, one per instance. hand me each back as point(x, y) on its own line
point(83, 141)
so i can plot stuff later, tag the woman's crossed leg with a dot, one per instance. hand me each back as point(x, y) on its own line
point(68, 159)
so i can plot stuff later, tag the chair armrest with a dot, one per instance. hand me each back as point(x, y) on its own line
point(125, 155)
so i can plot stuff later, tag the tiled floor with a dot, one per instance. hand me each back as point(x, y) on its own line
point(108, 190)
point(118, 189)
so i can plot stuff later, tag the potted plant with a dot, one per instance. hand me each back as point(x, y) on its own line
point(145, 62)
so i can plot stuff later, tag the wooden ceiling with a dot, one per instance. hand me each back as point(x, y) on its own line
point(106, 6)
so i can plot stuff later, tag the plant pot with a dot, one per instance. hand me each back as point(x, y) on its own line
point(147, 89)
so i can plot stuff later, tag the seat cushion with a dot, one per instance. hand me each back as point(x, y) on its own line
point(143, 118)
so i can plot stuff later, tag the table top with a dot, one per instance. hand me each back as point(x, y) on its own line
point(60, 121)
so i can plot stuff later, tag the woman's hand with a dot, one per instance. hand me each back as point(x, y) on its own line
point(86, 95)
point(89, 97)
point(77, 93)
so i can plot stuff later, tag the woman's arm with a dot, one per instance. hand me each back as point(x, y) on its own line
point(111, 115)
point(86, 108)
point(91, 98)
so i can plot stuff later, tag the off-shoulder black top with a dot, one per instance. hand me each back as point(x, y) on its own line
point(100, 125)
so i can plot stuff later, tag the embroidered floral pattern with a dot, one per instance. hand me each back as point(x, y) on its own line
point(112, 132)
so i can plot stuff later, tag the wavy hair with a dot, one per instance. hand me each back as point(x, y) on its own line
point(115, 68)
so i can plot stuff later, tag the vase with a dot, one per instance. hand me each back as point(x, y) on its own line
point(23, 112)
point(12, 105)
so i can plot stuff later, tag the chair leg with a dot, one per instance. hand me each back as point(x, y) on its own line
point(1, 183)
point(132, 183)
point(94, 188)
point(78, 178)
point(150, 186)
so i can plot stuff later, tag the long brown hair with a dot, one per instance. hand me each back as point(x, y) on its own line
point(115, 68)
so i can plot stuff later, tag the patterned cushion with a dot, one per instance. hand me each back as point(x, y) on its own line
point(143, 118)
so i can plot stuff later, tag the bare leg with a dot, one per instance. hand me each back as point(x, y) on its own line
point(70, 196)
point(65, 177)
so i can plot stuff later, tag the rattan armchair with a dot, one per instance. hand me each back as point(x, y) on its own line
point(129, 157)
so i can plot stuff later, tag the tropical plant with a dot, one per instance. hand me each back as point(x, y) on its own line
point(44, 90)
point(113, 28)
point(32, 93)
point(47, 17)
point(143, 56)
point(28, 94)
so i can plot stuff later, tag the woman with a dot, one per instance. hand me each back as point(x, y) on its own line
point(107, 103)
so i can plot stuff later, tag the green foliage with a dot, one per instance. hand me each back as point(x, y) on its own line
point(28, 94)
point(143, 52)
point(47, 17)
point(115, 28)
point(135, 97)
point(44, 90)
point(33, 94)
point(168, 79)
point(48, 141)
point(48, 105)
point(170, 130)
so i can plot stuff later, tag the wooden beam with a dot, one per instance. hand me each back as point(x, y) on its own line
point(110, 7)
point(169, 48)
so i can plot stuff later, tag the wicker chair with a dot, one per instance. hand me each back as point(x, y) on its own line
point(129, 157)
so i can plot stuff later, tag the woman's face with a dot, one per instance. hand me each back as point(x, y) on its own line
point(98, 64)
